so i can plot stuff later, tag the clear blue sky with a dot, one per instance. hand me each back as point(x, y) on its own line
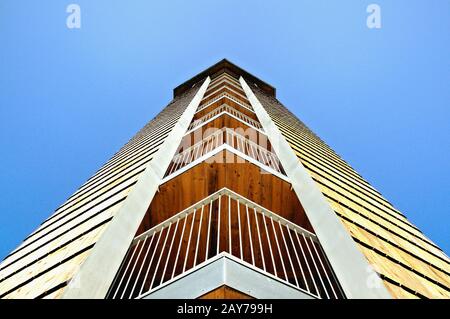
point(69, 99)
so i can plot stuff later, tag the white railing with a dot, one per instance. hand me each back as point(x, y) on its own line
point(235, 141)
point(214, 85)
point(224, 88)
point(224, 76)
point(225, 222)
point(228, 96)
point(224, 108)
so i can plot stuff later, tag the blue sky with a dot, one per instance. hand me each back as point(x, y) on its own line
point(69, 99)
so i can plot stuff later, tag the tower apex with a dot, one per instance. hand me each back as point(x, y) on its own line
point(219, 67)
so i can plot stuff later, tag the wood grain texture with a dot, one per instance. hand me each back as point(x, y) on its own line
point(225, 292)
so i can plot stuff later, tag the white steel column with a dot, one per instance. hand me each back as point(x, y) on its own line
point(353, 271)
point(98, 271)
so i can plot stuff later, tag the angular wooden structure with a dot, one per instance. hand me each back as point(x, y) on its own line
point(226, 194)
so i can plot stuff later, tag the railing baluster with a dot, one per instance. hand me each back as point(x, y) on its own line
point(272, 161)
point(173, 164)
point(205, 144)
point(235, 139)
point(211, 143)
point(192, 155)
point(259, 157)
point(253, 153)
point(209, 229)
point(218, 224)
point(307, 264)
point(239, 224)
point(259, 237)
point(142, 265)
point(298, 260)
point(323, 267)
point(269, 244)
point(197, 150)
point(250, 234)
point(160, 255)
point(288, 253)
point(246, 148)
point(151, 261)
point(113, 284)
point(279, 250)
point(198, 236)
point(189, 240)
point(315, 266)
point(186, 157)
point(239, 144)
point(259, 153)
point(134, 266)
point(229, 225)
point(269, 158)
point(170, 170)
point(179, 246)
point(178, 161)
point(170, 250)
point(265, 158)
point(244, 145)
point(126, 269)
point(219, 138)
point(279, 168)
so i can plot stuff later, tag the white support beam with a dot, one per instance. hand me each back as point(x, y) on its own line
point(352, 269)
point(98, 271)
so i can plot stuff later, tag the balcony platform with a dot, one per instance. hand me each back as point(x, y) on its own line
point(226, 270)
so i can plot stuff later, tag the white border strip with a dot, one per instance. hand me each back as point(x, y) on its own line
point(99, 269)
point(352, 269)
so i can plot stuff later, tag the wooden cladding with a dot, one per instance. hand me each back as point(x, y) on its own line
point(225, 292)
point(225, 170)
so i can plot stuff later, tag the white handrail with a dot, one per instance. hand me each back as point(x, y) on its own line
point(228, 96)
point(234, 140)
point(214, 85)
point(225, 108)
point(276, 241)
point(224, 76)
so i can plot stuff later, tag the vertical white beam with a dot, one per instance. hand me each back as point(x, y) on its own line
point(351, 267)
point(98, 271)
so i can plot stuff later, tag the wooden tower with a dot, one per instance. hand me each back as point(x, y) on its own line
point(226, 194)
